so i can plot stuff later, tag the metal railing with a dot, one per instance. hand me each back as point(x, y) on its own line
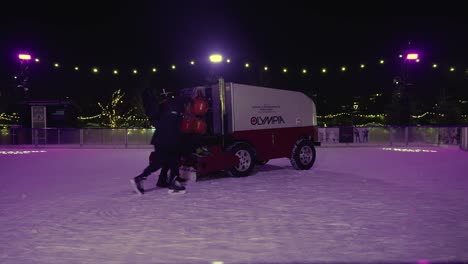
point(79, 137)
point(328, 136)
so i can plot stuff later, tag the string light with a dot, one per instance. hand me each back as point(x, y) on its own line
point(12, 117)
point(89, 117)
point(374, 115)
point(249, 65)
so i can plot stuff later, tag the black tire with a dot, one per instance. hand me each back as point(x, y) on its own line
point(246, 159)
point(303, 154)
point(262, 162)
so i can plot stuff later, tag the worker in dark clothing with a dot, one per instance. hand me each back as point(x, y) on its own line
point(167, 142)
point(154, 107)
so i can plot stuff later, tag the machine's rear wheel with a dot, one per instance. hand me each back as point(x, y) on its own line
point(246, 157)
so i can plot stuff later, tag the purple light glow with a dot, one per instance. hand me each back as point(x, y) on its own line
point(412, 56)
point(24, 56)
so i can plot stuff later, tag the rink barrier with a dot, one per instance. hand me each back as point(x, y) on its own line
point(328, 137)
point(464, 138)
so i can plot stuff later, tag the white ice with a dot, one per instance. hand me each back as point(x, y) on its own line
point(355, 205)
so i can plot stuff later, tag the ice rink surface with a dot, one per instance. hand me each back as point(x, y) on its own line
point(357, 204)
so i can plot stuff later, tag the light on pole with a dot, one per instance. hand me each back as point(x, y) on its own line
point(26, 57)
point(23, 75)
point(216, 58)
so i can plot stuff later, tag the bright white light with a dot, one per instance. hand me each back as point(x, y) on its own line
point(216, 58)
point(24, 56)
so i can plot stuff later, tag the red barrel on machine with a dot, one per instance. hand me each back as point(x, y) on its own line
point(193, 125)
point(200, 105)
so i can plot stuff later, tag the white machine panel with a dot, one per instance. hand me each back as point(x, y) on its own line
point(254, 107)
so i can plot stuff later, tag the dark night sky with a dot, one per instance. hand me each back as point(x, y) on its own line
point(135, 33)
point(147, 30)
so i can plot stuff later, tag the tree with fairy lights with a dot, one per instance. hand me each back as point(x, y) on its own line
point(116, 115)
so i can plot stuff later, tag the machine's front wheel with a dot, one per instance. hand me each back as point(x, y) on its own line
point(246, 157)
point(303, 154)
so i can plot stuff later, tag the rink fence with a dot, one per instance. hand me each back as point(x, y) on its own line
point(328, 136)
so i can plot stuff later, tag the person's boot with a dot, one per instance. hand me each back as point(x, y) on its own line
point(137, 184)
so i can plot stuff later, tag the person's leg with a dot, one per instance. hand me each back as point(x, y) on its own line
point(162, 180)
point(173, 162)
point(155, 165)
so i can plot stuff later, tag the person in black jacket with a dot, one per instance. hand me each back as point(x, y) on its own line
point(167, 142)
point(154, 107)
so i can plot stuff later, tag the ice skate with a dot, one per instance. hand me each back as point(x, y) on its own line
point(175, 186)
point(137, 184)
